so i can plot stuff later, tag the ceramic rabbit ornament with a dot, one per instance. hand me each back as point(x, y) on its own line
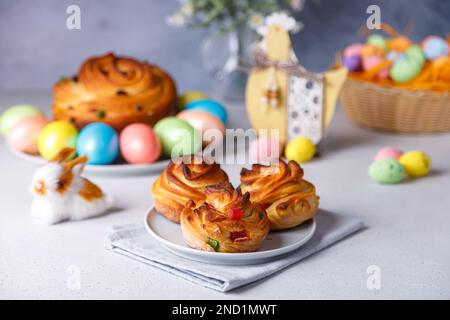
point(60, 193)
point(283, 95)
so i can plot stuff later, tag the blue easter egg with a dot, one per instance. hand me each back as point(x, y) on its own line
point(435, 47)
point(210, 106)
point(393, 55)
point(99, 142)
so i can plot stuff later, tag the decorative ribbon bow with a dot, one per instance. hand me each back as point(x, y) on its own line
point(290, 66)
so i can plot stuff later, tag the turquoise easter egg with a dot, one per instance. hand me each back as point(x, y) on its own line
point(377, 40)
point(210, 106)
point(99, 142)
point(177, 137)
point(386, 171)
point(15, 114)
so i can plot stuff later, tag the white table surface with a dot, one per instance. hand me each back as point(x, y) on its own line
point(408, 233)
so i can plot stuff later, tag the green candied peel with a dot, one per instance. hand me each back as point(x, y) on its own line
point(261, 215)
point(213, 243)
point(101, 114)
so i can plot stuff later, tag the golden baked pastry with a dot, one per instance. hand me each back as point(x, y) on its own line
point(115, 90)
point(280, 189)
point(184, 180)
point(226, 222)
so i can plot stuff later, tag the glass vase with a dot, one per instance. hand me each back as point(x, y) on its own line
point(226, 59)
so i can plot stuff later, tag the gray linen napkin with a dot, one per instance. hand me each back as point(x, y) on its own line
point(133, 241)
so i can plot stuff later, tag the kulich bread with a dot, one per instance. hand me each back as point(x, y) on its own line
point(115, 90)
point(225, 222)
point(184, 180)
point(289, 200)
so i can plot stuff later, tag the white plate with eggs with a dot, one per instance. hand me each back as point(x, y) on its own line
point(277, 243)
point(118, 168)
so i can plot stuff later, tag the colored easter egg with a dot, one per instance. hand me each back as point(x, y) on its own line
point(416, 163)
point(377, 40)
point(300, 149)
point(210, 127)
point(408, 65)
point(139, 144)
point(55, 136)
point(386, 171)
point(404, 71)
point(210, 106)
point(352, 63)
point(415, 53)
point(393, 55)
point(435, 47)
point(373, 61)
point(264, 150)
point(190, 96)
point(99, 142)
point(177, 137)
point(353, 50)
point(24, 135)
point(388, 153)
point(14, 114)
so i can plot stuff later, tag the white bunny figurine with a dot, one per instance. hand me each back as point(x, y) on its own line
point(60, 193)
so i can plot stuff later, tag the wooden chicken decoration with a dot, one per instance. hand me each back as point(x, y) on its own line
point(283, 95)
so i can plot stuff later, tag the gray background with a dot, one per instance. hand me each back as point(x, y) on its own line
point(36, 48)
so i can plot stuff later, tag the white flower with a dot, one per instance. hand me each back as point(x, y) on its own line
point(176, 20)
point(297, 5)
point(186, 9)
point(298, 26)
point(262, 30)
point(280, 19)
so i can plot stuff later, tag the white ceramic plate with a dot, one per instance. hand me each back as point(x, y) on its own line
point(278, 243)
point(115, 169)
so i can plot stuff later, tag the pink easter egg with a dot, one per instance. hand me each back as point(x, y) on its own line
point(139, 144)
point(264, 150)
point(353, 50)
point(203, 122)
point(24, 135)
point(371, 62)
point(388, 153)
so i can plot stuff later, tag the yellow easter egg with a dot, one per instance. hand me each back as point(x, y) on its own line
point(190, 96)
point(300, 149)
point(416, 163)
point(55, 136)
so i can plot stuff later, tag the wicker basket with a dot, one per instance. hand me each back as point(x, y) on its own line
point(397, 110)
